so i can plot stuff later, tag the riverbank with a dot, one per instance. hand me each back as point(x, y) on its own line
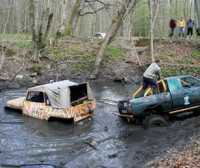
point(73, 58)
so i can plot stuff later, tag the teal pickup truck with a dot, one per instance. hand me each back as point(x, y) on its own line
point(175, 95)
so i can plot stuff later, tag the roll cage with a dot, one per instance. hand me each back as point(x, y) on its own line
point(141, 92)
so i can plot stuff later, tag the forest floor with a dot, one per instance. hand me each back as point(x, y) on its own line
point(73, 58)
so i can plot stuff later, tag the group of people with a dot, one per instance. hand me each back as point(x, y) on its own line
point(184, 28)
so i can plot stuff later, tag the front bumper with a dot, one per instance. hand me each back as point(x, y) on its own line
point(125, 110)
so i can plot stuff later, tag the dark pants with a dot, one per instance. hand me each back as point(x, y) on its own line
point(172, 32)
point(148, 82)
point(190, 31)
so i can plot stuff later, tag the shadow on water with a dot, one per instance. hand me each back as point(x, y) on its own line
point(103, 141)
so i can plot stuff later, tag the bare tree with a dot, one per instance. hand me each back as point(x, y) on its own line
point(40, 30)
point(154, 9)
point(73, 19)
point(197, 11)
point(126, 7)
point(82, 8)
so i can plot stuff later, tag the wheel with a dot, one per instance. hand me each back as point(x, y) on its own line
point(196, 112)
point(154, 121)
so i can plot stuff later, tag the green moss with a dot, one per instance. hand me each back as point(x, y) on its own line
point(10, 52)
point(15, 37)
point(24, 44)
point(57, 54)
point(72, 52)
point(86, 64)
point(36, 68)
point(68, 31)
point(172, 71)
point(196, 54)
point(113, 53)
point(20, 40)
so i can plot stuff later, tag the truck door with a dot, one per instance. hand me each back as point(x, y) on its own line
point(35, 105)
point(191, 86)
point(177, 92)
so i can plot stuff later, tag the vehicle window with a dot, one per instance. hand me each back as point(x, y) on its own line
point(162, 86)
point(190, 82)
point(78, 94)
point(35, 97)
point(174, 84)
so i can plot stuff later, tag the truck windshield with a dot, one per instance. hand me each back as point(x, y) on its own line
point(190, 81)
point(35, 97)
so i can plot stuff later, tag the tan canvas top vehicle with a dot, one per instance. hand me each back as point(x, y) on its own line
point(64, 99)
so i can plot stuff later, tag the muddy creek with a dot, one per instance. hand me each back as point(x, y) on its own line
point(103, 141)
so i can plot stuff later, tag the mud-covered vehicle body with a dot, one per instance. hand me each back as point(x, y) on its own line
point(64, 100)
point(175, 95)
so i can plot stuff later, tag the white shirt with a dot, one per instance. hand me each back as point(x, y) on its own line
point(151, 71)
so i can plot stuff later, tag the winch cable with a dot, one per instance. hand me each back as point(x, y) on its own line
point(108, 101)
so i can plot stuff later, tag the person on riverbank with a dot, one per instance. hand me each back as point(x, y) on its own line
point(151, 75)
point(181, 25)
point(190, 27)
point(172, 25)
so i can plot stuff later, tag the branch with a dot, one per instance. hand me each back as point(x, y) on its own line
point(94, 11)
point(156, 12)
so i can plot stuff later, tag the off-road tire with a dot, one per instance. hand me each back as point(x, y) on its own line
point(154, 121)
point(196, 112)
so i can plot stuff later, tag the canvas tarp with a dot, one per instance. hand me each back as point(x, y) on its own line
point(59, 92)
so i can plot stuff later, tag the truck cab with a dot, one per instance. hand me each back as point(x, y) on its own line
point(173, 95)
point(58, 100)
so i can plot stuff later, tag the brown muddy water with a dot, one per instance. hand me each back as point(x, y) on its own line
point(105, 141)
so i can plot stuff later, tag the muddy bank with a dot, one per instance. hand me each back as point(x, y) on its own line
point(73, 58)
point(69, 58)
point(104, 141)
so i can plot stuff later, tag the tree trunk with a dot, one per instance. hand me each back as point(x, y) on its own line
point(33, 27)
point(197, 11)
point(39, 38)
point(2, 60)
point(154, 8)
point(117, 21)
point(151, 31)
point(73, 19)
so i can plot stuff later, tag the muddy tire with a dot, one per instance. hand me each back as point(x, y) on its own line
point(196, 112)
point(154, 121)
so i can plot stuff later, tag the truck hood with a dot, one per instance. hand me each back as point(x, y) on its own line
point(16, 104)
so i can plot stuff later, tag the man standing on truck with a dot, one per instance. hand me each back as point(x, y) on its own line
point(151, 75)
